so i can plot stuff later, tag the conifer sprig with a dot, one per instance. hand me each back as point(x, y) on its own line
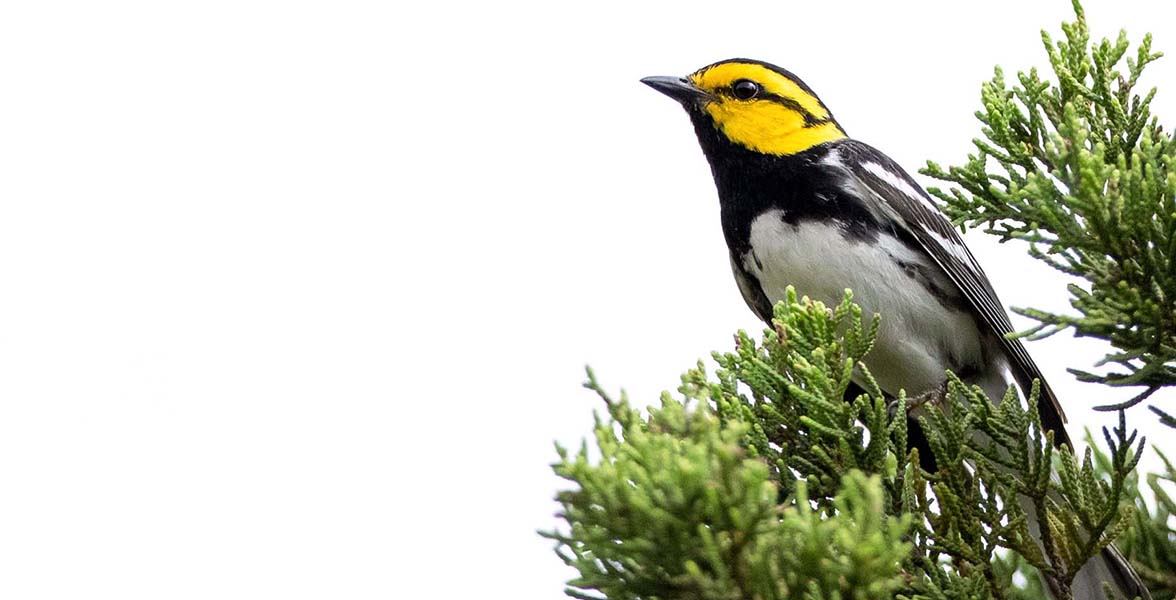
point(1149, 541)
point(1081, 170)
point(762, 480)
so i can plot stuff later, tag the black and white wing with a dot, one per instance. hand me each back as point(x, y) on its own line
point(915, 213)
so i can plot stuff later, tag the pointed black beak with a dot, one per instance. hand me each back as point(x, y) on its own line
point(678, 88)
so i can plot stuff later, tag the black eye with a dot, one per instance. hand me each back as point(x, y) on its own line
point(745, 89)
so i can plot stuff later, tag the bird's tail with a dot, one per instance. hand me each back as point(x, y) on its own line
point(1112, 567)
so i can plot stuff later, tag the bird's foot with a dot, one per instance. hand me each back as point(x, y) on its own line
point(935, 395)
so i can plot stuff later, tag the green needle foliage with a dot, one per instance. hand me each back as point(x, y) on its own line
point(1150, 540)
point(1081, 170)
point(761, 481)
point(676, 507)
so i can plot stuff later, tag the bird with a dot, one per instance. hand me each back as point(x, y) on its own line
point(802, 204)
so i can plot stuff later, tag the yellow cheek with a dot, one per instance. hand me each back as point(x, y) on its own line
point(769, 128)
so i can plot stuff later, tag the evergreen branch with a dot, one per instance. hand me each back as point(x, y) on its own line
point(771, 479)
point(1080, 169)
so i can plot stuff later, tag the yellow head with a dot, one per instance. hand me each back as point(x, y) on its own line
point(755, 105)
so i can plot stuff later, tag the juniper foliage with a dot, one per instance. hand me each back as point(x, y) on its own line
point(761, 481)
point(1081, 170)
point(1150, 540)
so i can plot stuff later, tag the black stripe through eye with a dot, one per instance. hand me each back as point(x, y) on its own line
point(746, 89)
point(809, 118)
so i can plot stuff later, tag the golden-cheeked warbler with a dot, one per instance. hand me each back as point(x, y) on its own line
point(803, 204)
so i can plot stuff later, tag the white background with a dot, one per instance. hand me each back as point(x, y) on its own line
point(295, 296)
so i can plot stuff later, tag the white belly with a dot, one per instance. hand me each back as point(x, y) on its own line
point(919, 337)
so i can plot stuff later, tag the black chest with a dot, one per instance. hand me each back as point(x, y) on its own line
point(801, 186)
